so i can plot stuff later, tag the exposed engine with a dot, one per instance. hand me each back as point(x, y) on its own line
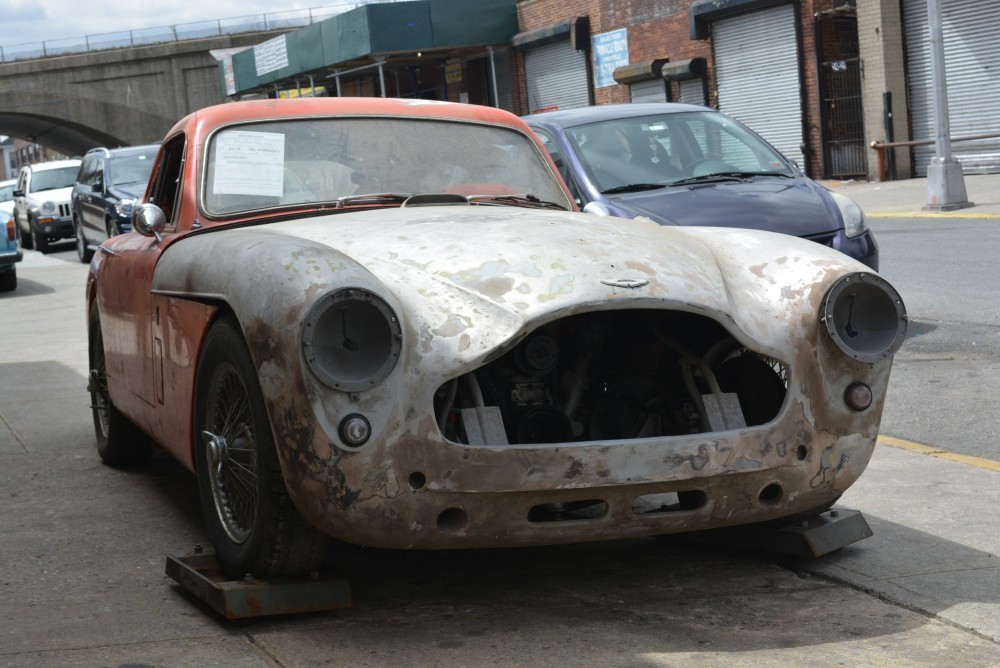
point(613, 375)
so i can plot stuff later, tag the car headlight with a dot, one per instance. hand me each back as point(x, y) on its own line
point(855, 223)
point(865, 317)
point(48, 207)
point(124, 207)
point(351, 339)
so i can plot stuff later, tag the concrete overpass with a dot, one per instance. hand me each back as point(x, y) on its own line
point(117, 97)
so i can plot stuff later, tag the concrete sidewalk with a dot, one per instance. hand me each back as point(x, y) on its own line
point(890, 199)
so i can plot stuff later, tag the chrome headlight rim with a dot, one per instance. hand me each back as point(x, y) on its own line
point(865, 317)
point(48, 207)
point(351, 339)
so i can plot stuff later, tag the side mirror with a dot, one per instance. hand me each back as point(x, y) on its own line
point(149, 220)
point(18, 193)
point(97, 187)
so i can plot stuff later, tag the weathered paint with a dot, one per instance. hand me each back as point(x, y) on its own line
point(455, 316)
point(467, 283)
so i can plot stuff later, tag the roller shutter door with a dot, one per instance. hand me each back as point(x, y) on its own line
point(653, 90)
point(692, 91)
point(556, 77)
point(757, 75)
point(971, 54)
point(501, 59)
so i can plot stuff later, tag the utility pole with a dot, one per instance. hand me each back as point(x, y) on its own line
point(945, 181)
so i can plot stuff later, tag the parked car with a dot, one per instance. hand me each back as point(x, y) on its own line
point(41, 203)
point(10, 252)
point(681, 164)
point(7, 195)
point(107, 186)
point(382, 320)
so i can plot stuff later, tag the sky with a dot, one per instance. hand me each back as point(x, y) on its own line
point(32, 21)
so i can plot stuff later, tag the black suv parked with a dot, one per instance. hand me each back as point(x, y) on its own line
point(109, 183)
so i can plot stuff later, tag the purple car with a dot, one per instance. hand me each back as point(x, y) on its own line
point(681, 164)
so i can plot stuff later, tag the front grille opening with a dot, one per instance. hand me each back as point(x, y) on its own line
point(590, 509)
point(669, 502)
point(613, 375)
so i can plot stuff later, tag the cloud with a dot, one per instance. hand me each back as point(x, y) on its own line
point(29, 21)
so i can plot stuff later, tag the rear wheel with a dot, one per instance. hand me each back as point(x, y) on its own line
point(253, 523)
point(119, 441)
point(26, 240)
point(8, 280)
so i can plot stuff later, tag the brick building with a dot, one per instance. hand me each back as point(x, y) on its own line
point(820, 79)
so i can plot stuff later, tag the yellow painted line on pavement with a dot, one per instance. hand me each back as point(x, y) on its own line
point(933, 214)
point(921, 449)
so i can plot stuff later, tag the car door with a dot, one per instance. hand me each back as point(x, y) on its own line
point(92, 201)
point(127, 315)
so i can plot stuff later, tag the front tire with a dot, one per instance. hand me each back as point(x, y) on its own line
point(82, 251)
point(39, 241)
point(119, 442)
point(253, 523)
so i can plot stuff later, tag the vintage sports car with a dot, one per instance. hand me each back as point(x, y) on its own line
point(382, 321)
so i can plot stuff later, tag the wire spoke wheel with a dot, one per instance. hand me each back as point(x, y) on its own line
point(119, 441)
point(231, 451)
point(99, 397)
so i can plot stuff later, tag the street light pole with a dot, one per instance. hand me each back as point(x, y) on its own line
point(945, 181)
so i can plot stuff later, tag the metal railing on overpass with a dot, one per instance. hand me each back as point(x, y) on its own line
point(295, 18)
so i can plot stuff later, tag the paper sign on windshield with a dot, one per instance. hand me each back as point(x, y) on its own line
point(249, 163)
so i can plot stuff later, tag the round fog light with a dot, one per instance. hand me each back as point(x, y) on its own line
point(355, 430)
point(858, 396)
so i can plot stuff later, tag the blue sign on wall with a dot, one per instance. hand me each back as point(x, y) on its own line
point(610, 50)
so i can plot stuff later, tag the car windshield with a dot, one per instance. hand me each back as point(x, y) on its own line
point(647, 152)
point(125, 170)
point(50, 179)
point(282, 163)
point(7, 192)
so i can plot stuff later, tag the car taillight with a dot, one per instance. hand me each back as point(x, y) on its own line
point(11, 232)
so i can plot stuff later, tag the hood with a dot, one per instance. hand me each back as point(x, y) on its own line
point(56, 195)
point(789, 206)
point(128, 191)
point(481, 275)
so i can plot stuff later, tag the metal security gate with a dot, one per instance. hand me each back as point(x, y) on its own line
point(971, 54)
point(556, 77)
point(757, 75)
point(652, 90)
point(501, 61)
point(843, 119)
point(841, 105)
point(692, 91)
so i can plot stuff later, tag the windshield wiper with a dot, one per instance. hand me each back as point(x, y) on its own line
point(372, 198)
point(517, 200)
point(727, 176)
point(632, 188)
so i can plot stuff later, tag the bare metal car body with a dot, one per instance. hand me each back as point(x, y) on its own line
point(449, 371)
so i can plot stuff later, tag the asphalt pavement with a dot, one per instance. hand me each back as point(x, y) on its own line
point(82, 553)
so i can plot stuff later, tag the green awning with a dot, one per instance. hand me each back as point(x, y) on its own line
point(360, 36)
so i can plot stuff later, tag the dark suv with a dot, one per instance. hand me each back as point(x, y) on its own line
point(109, 183)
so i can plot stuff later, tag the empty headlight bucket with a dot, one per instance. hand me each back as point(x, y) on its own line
point(865, 317)
point(351, 339)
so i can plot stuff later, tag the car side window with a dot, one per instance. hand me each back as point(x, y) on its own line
point(553, 150)
point(164, 186)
